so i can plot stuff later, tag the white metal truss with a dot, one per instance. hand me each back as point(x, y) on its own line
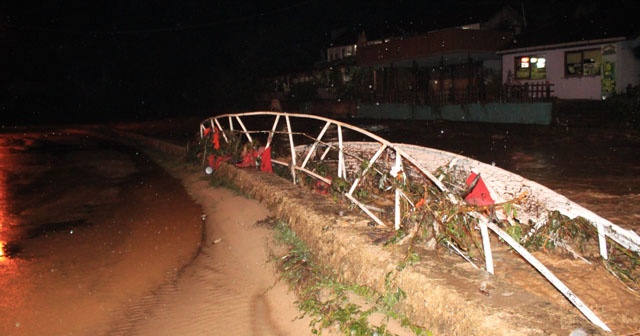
point(373, 148)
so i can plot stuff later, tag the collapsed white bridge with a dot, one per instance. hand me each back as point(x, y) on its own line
point(356, 152)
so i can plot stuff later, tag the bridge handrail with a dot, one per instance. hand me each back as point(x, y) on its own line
point(228, 122)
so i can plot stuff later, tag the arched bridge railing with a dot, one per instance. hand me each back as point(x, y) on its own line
point(393, 182)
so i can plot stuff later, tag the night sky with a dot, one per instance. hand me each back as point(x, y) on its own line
point(102, 60)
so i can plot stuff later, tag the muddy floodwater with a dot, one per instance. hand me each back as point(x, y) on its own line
point(86, 226)
point(97, 239)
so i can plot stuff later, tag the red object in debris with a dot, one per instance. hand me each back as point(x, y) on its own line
point(322, 187)
point(216, 138)
point(480, 194)
point(265, 162)
point(222, 159)
point(214, 162)
point(251, 156)
point(249, 159)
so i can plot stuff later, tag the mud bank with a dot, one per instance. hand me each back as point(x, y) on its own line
point(443, 292)
point(229, 287)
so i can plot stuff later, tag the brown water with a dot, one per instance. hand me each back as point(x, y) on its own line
point(87, 227)
point(100, 240)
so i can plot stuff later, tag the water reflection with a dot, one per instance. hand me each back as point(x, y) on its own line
point(87, 227)
point(9, 268)
point(5, 162)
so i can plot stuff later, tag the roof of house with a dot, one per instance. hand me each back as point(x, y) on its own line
point(601, 22)
point(430, 19)
point(544, 23)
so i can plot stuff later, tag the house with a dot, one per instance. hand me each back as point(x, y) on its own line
point(340, 58)
point(448, 65)
point(587, 69)
point(586, 51)
point(344, 44)
point(439, 66)
point(331, 72)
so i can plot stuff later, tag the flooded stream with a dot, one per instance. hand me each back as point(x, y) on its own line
point(99, 239)
point(86, 227)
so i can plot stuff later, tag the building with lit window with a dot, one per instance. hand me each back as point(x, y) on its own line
point(587, 69)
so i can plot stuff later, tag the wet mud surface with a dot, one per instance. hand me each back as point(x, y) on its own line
point(87, 227)
point(442, 287)
point(99, 239)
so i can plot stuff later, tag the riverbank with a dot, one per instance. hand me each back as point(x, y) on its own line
point(98, 238)
point(230, 287)
point(342, 249)
point(444, 299)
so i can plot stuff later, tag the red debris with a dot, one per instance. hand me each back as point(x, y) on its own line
point(216, 138)
point(265, 163)
point(322, 187)
point(214, 162)
point(480, 194)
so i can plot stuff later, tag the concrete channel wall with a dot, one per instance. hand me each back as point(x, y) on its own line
point(511, 113)
point(442, 293)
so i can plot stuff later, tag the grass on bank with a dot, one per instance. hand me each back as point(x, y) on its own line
point(351, 309)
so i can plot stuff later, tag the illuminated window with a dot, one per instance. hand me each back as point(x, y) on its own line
point(583, 63)
point(531, 67)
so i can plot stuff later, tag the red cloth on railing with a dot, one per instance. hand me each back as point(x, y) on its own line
point(214, 162)
point(249, 159)
point(216, 138)
point(480, 194)
point(265, 163)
